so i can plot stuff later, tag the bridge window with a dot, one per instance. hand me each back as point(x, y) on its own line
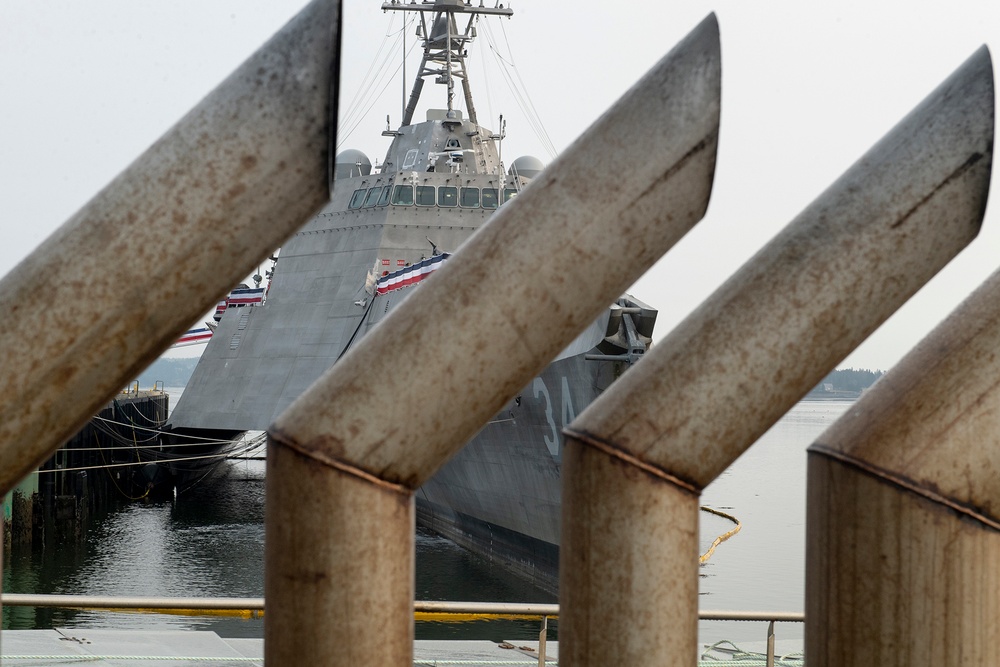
point(490, 197)
point(358, 198)
point(425, 195)
point(447, 196)
point(508, 194)
point(402, 195)
point(372, 197)
point(384, 199)
point(470, 198)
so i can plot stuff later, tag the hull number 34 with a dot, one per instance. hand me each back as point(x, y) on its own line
point(553, 440)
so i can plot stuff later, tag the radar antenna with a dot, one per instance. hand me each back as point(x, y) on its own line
point(444, 47)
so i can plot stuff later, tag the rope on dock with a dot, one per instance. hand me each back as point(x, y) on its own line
point(721, 538)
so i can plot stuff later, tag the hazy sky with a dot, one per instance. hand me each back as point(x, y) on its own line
point(85, 87)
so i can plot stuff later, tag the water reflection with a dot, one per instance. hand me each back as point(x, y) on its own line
point(209, 542)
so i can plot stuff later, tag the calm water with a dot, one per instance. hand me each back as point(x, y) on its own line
point(210, 542)
point(762, 568)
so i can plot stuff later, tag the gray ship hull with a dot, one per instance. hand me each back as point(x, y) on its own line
point(500, 496)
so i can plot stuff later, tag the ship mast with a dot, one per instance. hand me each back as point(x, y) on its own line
point(444, 47)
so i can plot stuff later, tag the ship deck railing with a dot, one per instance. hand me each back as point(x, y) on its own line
point(440, 611)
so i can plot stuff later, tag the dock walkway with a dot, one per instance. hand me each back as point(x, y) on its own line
point(184, 648)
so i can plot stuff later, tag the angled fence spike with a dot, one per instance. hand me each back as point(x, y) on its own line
point(345, 458)
point(637, 459)
point(122, 279)
point(903, 532)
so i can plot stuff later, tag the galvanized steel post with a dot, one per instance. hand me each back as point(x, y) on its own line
point(193, 215)
point(345, 458)
point(903, 533)
point(637, 459)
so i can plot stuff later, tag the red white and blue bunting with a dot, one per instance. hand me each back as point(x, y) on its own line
point(238, 298)
point(193, 337)
point(409, 275)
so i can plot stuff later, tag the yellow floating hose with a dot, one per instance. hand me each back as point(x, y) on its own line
point(721, 538)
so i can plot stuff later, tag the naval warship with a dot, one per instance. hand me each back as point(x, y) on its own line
point(383, 232)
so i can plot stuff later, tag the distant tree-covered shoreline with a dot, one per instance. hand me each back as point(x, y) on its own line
point(846, 381)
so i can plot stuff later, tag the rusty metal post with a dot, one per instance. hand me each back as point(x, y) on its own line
point(149, 254)
point(903, 533)
point(344, 459)
point(637, 459)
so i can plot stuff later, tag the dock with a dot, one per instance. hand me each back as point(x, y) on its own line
point(95, 467)
point(65, 645)
point(183, 648)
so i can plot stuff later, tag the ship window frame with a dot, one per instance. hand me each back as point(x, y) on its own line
point(462, 199)
point(357, 199)
point(448, 196)
point(495, 195)
point(420, 196)
point(397, 199)
point(372, 198)
point(384, 199)
point(410, 159)
point(508, 194)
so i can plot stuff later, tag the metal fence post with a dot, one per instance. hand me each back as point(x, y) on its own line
point(198, 210)
point(342, 465)
point(637, 459)
point(770, 644)
point(542, 638)
point(903, 519)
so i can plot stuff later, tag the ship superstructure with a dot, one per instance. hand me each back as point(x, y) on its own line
point(383, 232)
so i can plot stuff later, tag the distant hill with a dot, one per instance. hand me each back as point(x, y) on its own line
point(845, 383)
point(172, 372)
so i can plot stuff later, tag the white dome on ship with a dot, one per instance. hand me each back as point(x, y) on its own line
point(351, 162)
point(527, 165)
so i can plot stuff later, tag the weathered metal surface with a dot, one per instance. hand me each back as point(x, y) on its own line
point(894, 578)
point(802, 303)
point(715, 384)
point(931, 425)
point(441, 364)
point(325, 531)
point(903, 506)
point(157, 247)
point(609, 560)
